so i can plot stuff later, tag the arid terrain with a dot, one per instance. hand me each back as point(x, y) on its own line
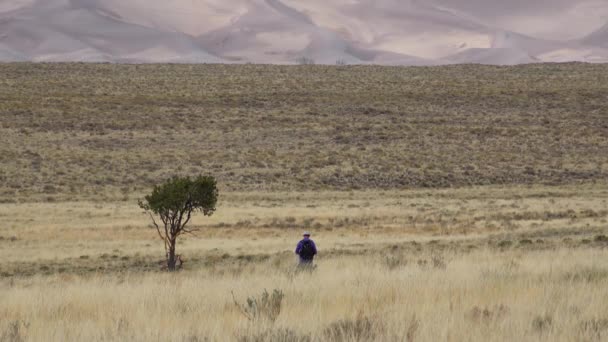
point(458, 203)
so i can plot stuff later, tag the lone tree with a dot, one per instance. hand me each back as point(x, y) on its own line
point(174, 202)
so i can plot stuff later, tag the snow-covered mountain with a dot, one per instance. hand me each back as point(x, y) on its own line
point(395, 32)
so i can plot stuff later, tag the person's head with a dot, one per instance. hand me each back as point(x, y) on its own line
point(306, 235)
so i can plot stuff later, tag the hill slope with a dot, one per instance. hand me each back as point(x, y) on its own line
point(91, 128)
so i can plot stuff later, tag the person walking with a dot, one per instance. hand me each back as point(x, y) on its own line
point(306, 250)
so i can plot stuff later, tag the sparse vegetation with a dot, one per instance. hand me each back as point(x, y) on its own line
point(15, 331)
point(88, 130)
point(364, 329)
point(99, 258)
point(266, 307)
point(274, 335)
point(305, 60)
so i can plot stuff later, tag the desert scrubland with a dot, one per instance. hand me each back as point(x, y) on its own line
point(460, 203)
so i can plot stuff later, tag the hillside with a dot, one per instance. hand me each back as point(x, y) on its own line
point(78, 129)
point(387, 32)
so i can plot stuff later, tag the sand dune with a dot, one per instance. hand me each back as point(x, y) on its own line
point(395, 32)
point(501, 56)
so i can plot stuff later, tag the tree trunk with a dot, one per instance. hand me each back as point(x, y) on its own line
point(171, 260)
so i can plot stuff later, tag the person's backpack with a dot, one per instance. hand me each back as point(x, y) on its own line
point(307, 252)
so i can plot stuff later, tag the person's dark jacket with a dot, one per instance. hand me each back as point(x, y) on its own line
point(299, 249)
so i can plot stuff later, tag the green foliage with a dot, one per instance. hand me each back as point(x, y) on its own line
point(175, 201)
point(180, 195)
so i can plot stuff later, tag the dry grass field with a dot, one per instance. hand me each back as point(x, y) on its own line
point(462, 203)
point(474, 264)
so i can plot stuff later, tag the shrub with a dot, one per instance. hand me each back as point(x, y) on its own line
point(601, 238)
point(542, 323)
point(15, 331)
point(594, 328)
point(487, 314)
point(305, 60)
point(412, 329)
point(359, 329)
point(278, 335)
point(439, 263)
point(266, 307)
point(589, 275)
point(393, 262)
point(505, 244)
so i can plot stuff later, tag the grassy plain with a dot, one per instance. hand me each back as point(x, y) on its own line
point(472, 264)
point(462, 203)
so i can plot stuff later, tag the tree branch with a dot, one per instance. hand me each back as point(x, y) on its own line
point(187, 219)
point(156, 225)
point(191, 232)
point(166, 223)
point(158, 230)
point(179, 225)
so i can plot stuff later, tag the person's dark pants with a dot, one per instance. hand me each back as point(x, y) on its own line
point(305, 265)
